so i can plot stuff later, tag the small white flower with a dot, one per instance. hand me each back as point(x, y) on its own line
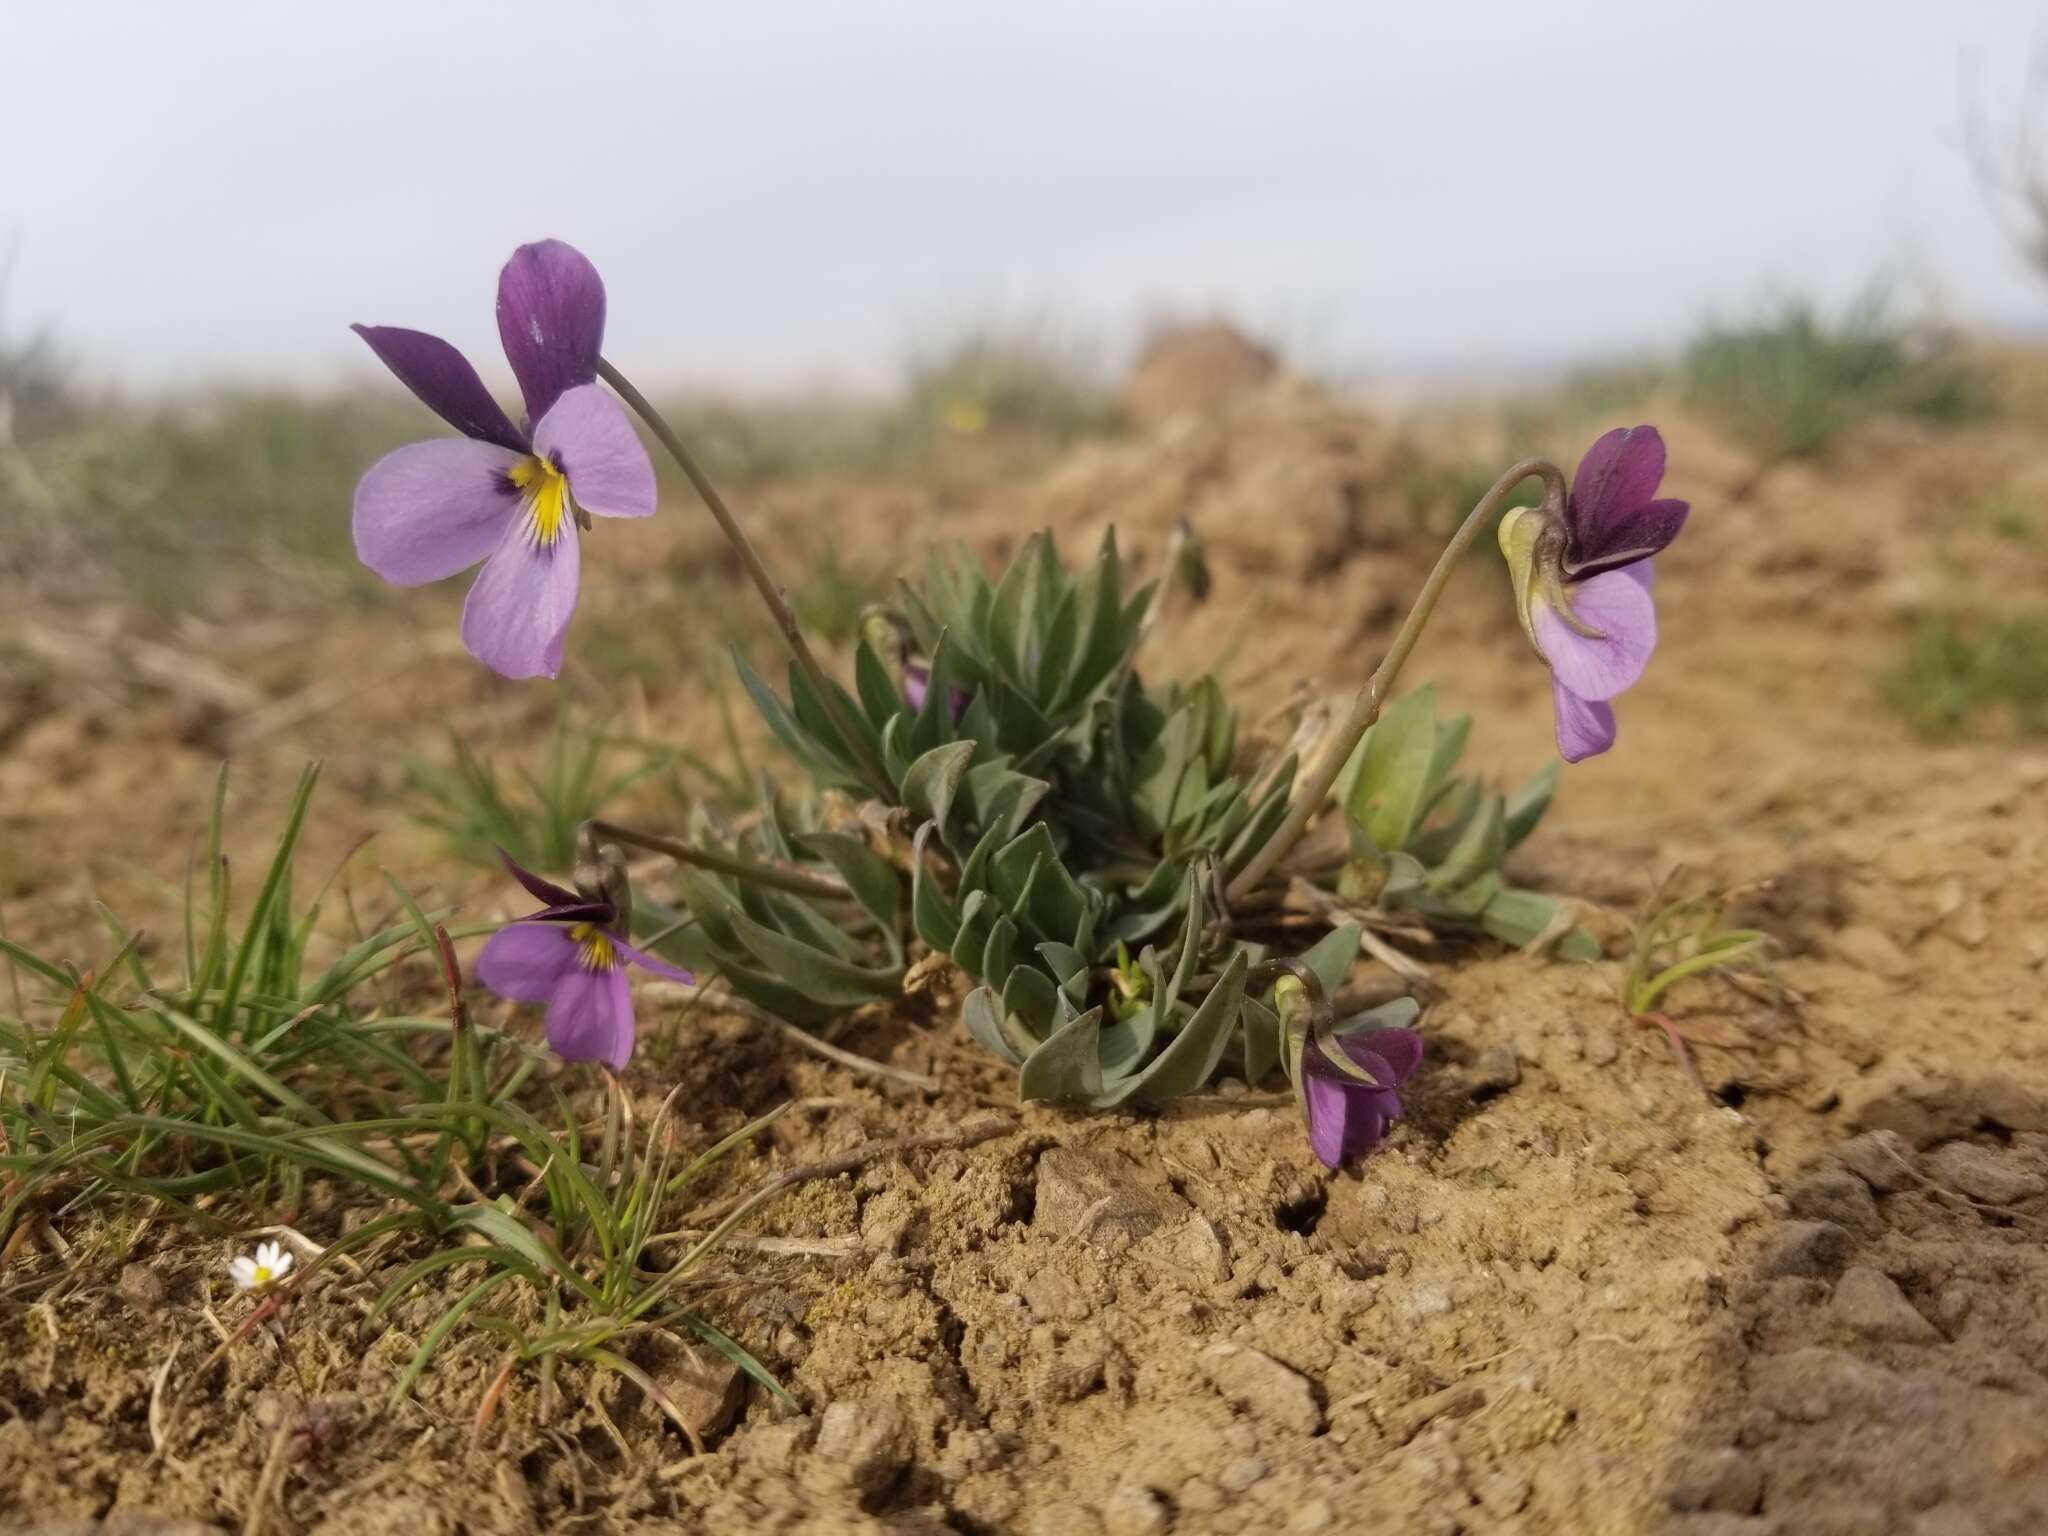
point(259, 1274)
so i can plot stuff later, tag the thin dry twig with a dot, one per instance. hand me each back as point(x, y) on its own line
point(269, 1480)
point(845, 1247)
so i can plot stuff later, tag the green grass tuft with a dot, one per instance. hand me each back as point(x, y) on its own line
point(1958, 669)
point(1793, 379)
point(533, 813)
point(217, 1095)
point(2009, 515)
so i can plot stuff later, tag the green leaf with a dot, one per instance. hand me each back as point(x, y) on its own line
point(821, 977)
point(1030, 995)
point(1521, 917)
point(1450, 746)
point(1010, 621)
point(872, 878)
point(1067, 1068)
point(1056, 659)
point(1029, 877)
point(983, 1016)
point(798, 742)
point(1477, 852)
point(1261, 1041)
point(1396, 1013)
point(880, 698)
point(932, 911)
point(934, 779)
point(1393, 787)
point(1526, 806)
point(1190, 1059)
point(1331, 957)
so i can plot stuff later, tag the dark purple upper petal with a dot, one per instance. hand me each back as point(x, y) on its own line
point(551, 319)
point(1397, 1051)
point(1614, 517)
point(537, 886)
point(445, 382)
point(561, 904)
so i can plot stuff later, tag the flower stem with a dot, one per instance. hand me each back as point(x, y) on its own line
point(1365, 709)
point(771, 591)
point(781, 877)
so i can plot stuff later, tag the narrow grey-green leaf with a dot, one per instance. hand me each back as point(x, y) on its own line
point(934, 779)
point(1067, 1068)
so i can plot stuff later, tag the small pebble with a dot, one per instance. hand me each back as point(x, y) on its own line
point(1241, 1474)
point(1982, 1174)
point(1837, 1195)
point(142, 1288)
point(1882, 1159)
point(1867, 1301)
point(1132, 1509)
point(1805, 1248)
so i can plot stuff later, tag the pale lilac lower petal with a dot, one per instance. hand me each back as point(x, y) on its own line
point(429, 510)
point(1329, 1108)
point(1584, 728)
point(1618, 606)
point(1641, 574)
point(589, 436)
point(526, 961)
point(520, 607)
point(648, 962)
point(590, 1017)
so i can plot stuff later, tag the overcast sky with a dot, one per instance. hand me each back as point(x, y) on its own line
point(779, 191)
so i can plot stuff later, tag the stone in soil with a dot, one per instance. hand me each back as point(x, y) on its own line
point(1806, 1248)
point(1983, 1174)
point(1868, 1301)
point(1263, 1386)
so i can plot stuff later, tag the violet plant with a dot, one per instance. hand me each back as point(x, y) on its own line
point(1118, 877)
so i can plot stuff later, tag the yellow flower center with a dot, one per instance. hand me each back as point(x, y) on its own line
point(596, 944)
point(261, 1277)
point(544, 498)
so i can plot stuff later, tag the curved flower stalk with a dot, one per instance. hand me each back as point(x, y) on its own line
point(511, 496)
point(1582, 581)
point(572, 955)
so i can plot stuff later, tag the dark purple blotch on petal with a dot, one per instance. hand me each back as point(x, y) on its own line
point(445, 382)
point(551, 320)
point(1614, 517)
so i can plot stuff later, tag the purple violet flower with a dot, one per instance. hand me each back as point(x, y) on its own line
point(1582, 582)
point(508, 496)
point(570, 955)
point(917, 682)
point(1348, 1115)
